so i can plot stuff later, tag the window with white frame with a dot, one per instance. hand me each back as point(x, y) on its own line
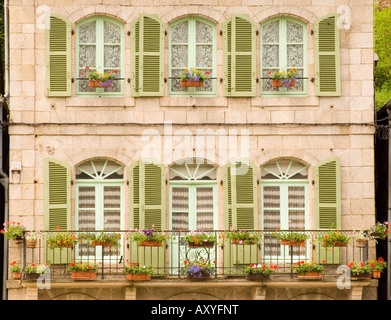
point(192, 45)
point(99, 201)
point(284, 201)
point(100, 46)
point(283, 47)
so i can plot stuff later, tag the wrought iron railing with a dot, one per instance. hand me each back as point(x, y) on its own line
point(169, 260)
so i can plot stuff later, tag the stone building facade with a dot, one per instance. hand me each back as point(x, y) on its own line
point(327, 118)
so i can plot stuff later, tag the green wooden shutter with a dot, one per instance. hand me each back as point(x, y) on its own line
point(57, 205)
point(147, 209)
point(239, 45)
point(327, 57)
point(240, 211)
point(328, 203)
point(147, 57)
point(58, 57)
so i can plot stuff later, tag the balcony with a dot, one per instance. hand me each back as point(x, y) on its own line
point(228, 260)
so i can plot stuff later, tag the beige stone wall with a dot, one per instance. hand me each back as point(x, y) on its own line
point(322, 129)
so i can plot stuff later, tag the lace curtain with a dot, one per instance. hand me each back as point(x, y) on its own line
point(292, 43)
point(191, 50)
point(109, 43)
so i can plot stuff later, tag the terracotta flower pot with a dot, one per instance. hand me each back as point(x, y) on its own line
point(17, 276)
point(361, 243)
point(137, 277)
point(100, 84)
point(376, 274)
point(192, 83)
point(149, 243)
point(278, 83)
point(101, 243)
point(18, 240)
point(83, 275)
point(310, 275)
point(201, 245)
point(293, 243)
point(31, 243)
point(334, 244)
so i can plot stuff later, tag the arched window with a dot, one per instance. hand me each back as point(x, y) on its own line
point(100, 46)
point(283, 47)
point(192, 43)
point(284, 200)
point(99, 199)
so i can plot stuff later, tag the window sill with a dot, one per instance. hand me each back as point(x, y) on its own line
point(281, 101)
point(99, 101)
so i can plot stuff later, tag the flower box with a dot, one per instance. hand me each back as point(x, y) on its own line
point(31, 276)
point(201, 245)
point(293, 243)
point(334, 244)
point(149, 243)
point(83, 275)
point(199, 277)
point(278, 83)
point(361, 276)
point(310, 275)
point(239, 241)
point(192, 83)
point(258, 276)
point(101, 243)
point(100, 84)
point(137, 277)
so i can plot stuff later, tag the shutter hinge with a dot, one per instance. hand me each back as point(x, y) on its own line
point(312, 32)
point(221, 182)
point(313, 182)
point(128, 33)
point(221, 32)
point(256, 32)
point(72, 32)
point(72, 182)
point(165, 32)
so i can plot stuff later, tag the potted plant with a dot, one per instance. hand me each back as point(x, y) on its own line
point(308, 270)
point(259, 272)
point(148, 238)
point(13, 230)
point(360, 271)
point(241, 236)
point(334, 238)
point(103, 239)
point(290, 238)
point(200, 239)
point(134, 272)
point(62, 240)
point(99, 80)
point(193, 78)
point(31, 239)
point(83, 271)
point(377, 267)
point(16, 271)
point(33, 271)
point(199, 269)
point(282, 78)
point(380, 230)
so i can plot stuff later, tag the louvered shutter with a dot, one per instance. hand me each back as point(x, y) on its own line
point(57, 204)
point(147, 59)
point(147, 195)
point(239, 44)
point(58, 57)
point(327, 57)
point(328, 203)
point(147, 209)
point(240, 210)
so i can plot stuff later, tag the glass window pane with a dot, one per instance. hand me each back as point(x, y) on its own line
point(271, 32)
point(294, 32)
point(179, 56)
point(87, 32)
point(112, 33)
point(204, 33)
point(112, 56)
point(180, 33)
point(180, 208)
